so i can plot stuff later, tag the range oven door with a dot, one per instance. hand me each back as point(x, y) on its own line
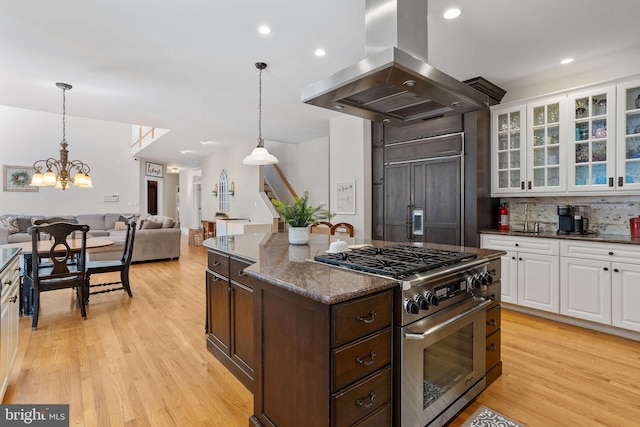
point(442, 363)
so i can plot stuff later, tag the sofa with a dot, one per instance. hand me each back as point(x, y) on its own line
point(157, 237)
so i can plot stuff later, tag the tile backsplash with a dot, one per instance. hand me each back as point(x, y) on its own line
point(608, 215)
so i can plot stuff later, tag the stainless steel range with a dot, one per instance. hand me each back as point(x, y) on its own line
point(439, 326)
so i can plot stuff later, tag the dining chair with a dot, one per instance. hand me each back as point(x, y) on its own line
point(53, 220)
point(342, 228)
point(58, 272)
point(112, 266)
point(321, 227)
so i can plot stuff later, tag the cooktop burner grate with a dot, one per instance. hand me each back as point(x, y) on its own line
point(398, 261)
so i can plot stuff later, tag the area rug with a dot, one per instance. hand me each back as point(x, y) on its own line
point(485, 417)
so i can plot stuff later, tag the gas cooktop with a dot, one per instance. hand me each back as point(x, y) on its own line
point(397, 261)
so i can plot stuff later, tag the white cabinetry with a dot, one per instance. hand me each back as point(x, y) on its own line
point(628, 152)
point(530, 270)
point(591, 153)
point(528, 147)
point(508, 149)
point(601, 282)
point(9, 307)
point(546, 138)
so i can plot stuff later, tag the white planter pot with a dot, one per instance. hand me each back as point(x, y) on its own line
point(299, 235)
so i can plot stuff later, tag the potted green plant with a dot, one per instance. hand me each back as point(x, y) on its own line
point(299, 215)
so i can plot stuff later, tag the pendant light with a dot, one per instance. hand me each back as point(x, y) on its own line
point(260, 155)
point(64, 168)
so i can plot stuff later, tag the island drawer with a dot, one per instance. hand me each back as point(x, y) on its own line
point(381, 418)
point(357, 318)
point(493, 349)
point(493, 319)
point(361, 399)
point(219, 263)
point(236, 271)
point(359, 359)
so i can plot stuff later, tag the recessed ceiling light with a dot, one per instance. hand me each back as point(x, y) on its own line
point(451, 13)
point(320, 52)
point(185, 151)
point(566, 61)
point(264, 29)
point(206, 142)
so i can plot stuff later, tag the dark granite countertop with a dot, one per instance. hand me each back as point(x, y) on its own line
point(6, 256)
point(292, 267)
point(605, 238)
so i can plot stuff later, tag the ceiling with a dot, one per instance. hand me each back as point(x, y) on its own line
point(188, 66)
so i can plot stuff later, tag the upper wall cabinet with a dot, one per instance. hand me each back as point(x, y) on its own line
point(508, 153)
point(585, 142)
point(528, 147)
point(591, 152)
point(546, 121)
point(628, 154)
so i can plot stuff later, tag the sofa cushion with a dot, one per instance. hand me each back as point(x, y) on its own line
point(110, 220)
point(94, 221)
point(120, 225)
point(148, 224)
point(10, 223)
point(24, 222)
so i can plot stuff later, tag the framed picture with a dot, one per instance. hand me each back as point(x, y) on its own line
point(17, 178)
point(154, 169)
point(346, 197)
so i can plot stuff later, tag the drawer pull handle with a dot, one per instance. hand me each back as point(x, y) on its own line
point(13, 299)
point(492, 322)
point(372, 315)
point(216, 263)
point(492, 347)
point(616, 270)
point(367, 405)
point(241, 273)
point(610, 253)
point(606, 269)
point(372, 355)
point(492, 297)
point(18, 268)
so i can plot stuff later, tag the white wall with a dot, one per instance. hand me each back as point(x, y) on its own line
point(27, 136)
point(350, 155)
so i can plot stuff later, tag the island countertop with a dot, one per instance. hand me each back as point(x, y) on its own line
point(292, 267)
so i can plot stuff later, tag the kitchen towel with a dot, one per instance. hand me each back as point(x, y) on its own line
point(485, 417)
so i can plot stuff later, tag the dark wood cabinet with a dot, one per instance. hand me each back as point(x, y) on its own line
point(493, 324)
point(229, 315)
point(339, 355)
point(453, 193)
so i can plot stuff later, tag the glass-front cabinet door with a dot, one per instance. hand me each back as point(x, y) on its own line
point(546, 166)
point(591, 147)
point(508, 140)
point(628, 146)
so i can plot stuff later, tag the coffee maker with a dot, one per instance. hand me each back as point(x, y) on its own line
point(573, 219)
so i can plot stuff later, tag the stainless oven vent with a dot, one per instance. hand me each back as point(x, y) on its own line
point(394, 83)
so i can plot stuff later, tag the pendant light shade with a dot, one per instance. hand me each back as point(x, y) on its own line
point(260, 155)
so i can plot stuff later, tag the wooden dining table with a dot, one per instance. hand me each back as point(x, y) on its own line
point(44, 247)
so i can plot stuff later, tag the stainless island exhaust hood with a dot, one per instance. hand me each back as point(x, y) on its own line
point(394, 83)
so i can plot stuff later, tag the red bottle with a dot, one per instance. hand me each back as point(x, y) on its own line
point(503, 218)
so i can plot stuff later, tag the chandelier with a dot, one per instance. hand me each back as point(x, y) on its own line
point(63, 167)
point(260, 155)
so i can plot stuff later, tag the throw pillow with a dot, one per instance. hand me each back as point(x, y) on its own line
point(120, 225)
point(150, 225)
point(168, 223)
point(10, 223)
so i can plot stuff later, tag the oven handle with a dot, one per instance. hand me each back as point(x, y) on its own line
point(410, 336)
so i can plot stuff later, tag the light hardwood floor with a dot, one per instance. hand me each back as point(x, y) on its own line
point(143, 362)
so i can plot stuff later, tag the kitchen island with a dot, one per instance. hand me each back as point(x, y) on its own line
point(291, 328)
